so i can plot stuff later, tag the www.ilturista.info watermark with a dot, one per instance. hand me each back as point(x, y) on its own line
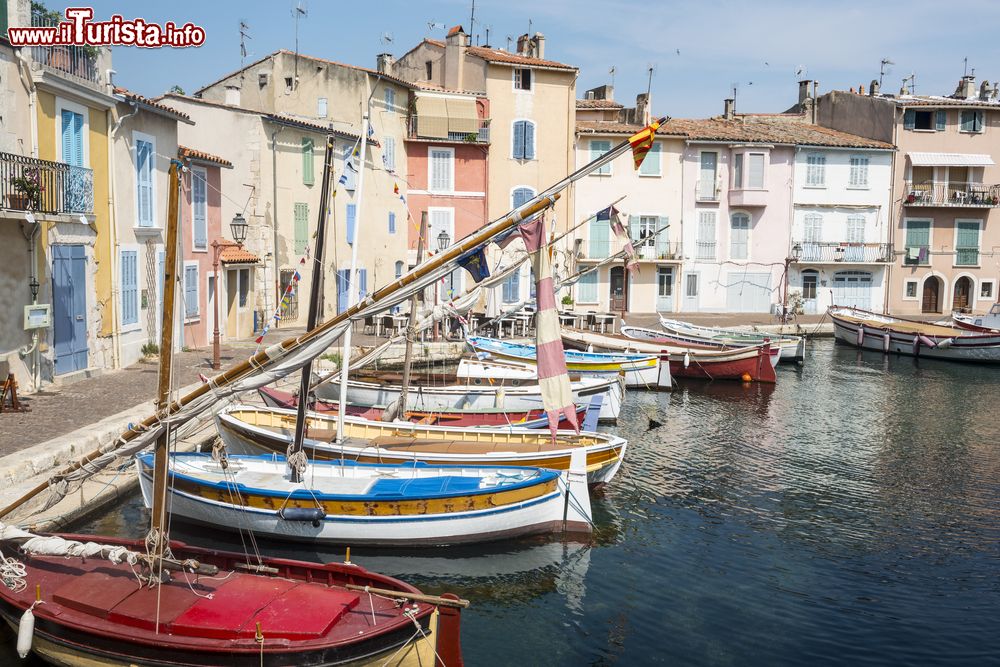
point(79, 30)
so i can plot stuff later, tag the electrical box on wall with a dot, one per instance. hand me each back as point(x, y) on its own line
point(37, 316)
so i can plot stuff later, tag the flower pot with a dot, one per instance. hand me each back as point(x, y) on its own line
point(60, 58)
point(18, 202)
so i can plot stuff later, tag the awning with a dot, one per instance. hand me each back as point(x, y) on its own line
point(462, 116)
point(432, 117)
point(950, 160)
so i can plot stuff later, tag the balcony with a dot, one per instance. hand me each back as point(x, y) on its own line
point(844, 252)
point(951, 195)
point(44, 187)
point(664, 251)
point(80, 61)
point(748, 198)
point(432, 128)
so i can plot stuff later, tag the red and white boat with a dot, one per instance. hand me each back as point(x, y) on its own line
point(988, 323)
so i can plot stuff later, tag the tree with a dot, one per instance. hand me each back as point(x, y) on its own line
point(177, 90)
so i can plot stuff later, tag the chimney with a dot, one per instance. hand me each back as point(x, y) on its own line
point(966, 89)
point(984, 91)
point(729, 109)
point(804, 93)
point(384, 63)
point(605, 92)
point(873, 88)
point(454, 58)
point(589, 95)
point(861, 89)
point(642, 109)
point(539, 45)
point(233, 95)
point(524, 44)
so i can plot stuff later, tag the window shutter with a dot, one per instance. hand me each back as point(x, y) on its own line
point(855, 229)
point(529, 141)
point(308, 177)
point(918, 233)
point(739, 231)
point(651, 164)
point(199, 206)
point(191, 291)
point(755, 174)
point(586, 291)
point(940, 120)
point(633, 228)
point(662, 240)
point(390, 98)
point(321, 107)
point(389, 153)
point(909, 119)
point(350, 169)
point(343, 293)
point(968, 118)
point(522, 195)
point(392, 222)
point(77, 140)
point(399, 269)
point(144, 185)
point(706, 235)
point(519, 140)
point(600, 234)
point(352, 211)
point(362, 283)
point(968, 235)
point(72, 138)
point(129, 287)
point(301, 227)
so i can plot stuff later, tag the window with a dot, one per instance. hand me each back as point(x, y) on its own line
point(812, 235)
point(199, 208)
point(911, 289)
point(739, 236)
point(918, 242)
point(859, 172)
point(521, 195)
point(706, 177)
point(691, 285)
point(738, 171)
point(643, 234)
point(586, 288)
point(651, 164)
point(308, 177)
point(855, 251)
point(971, 121)
point(664, 281)
point(916, 119)
point(291, 311)
point(524, 140)
point(389, 153)
point(390, 99)
point(706, 236)
point(244, 288)
point(429, 70)
point(352, 221)
point(72, 138)
point(145, 199)
point(755, 171)
point(986, 289)
point(392, 222)
point(129, 280)
point(597, 149)
point(191, 309)
point(349, 177)
point(599, 239)
point(301, 218)
point(816, 171)
point(966, 243)
point(321, 110)
point(399, 269)
point(288, 84)
point(512, 288)
point(442, 169)
point(810, 280)
point(522, 79)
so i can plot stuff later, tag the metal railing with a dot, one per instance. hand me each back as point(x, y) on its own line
point(662, 251)
point(43, 186)
point(844, 251)
point(704, 250)
point(80, 61)
point(958, 194)
point(79, 190)
point(706, 194)
point(966, 256)
point(481, 136)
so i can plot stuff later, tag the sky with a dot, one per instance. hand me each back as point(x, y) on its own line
point(698, 50)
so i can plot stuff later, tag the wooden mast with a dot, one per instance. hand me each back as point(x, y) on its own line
point(315, 300)
point(411, 326)
point(160, 462)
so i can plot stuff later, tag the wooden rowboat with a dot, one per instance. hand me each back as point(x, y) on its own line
point(349, 503)
point(885, 333)
point(793, 348)
point(753, 363)
point(253, 430)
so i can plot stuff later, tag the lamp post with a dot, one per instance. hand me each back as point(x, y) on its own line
point(239, 229)
point(33, 286)
point(443, 241)
point(793, 258)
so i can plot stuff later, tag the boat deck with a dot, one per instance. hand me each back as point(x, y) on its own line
point(926, 328)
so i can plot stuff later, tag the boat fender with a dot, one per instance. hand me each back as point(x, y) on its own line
point(498, 399)
point(946, 343)
point(924, 340)
point(886, 338)
point(861, 335)
point(687, 359)
point(916, 346)
point(313, 515)
point(26, 630)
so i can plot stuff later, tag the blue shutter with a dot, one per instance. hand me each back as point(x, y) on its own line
point(662, 244)
point(343, 281)
point(352, 211)
point(392, 222)
point(191, 291)
point(129, 287)
point(633, 228)
point(909, 119)
point(522, 195)
point(144, 182)
point(512, 288)
point(529, 140)
point(362, 283)
point(399, 269)
point(586, 288)
point(600, 235)
point(651, 164)
point(519, 140)
point(72, 138)
point(199, 196)
point(350, 175)
point(940, 120)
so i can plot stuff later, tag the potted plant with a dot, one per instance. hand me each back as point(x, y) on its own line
point(28, 190)
point(567, 301)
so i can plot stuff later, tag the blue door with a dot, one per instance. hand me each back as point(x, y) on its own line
point(69, 307)
point(343, 289)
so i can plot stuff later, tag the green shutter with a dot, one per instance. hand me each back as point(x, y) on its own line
point(651, 164)
point(600, 239)
point(909, 119)
point(3, 19)
point(918, 233)
point(940, 120)
point(308, 178)
point(301, 227)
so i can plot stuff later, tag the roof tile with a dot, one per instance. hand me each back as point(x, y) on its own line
point(235, 254)
point(202, 156)
point(508, 58)
point(141, 99)
point(598, 104)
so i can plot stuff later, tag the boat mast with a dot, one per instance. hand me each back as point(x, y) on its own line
point(315, 300)
point(352, 284)
point(159, 514)
point(411, 325)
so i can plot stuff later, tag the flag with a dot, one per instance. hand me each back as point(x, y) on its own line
point(557, 395)
point(642, 141)
point(474, 262)
point(605, 214)
point(624, 242)
point(508, 237)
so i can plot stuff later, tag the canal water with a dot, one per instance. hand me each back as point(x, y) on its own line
point(849, 515)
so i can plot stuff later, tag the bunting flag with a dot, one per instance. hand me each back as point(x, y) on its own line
point(642, 141)
point(349, 164)
point(624, 242)
point(283, 303)
point(395, 191)
point(557, 395)
point(474, 262)
point(605, 214)
point(508, 237)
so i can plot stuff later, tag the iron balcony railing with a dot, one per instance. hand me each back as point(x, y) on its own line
point(596, 249)
point(481, 136)
point(704, 250)
point(80, 61)
point(953, 194)
point(845, 251)
point(707, 191)
point(43, 186)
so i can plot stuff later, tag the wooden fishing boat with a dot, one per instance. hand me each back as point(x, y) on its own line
point(988, 323)
point(253, 430)
point(793, 348)
point(640, 370)
point(276, 398)
point(884, 333)
point(518, 395)
point(409, 504)
point(752, 363)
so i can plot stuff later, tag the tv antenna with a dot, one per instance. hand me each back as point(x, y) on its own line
point(433, 25)
point(611, 71)
point(486, 29)
point(800, 71)
point(244, 36)
point(649, 79)
point(912, 79)
point(386, 38)
point(881, 72)
point(298, 12)
point(472, 19)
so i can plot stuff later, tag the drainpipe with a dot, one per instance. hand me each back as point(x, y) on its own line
point(29, 84)
point(113, 243)
point(274, 215)
point(33, 348)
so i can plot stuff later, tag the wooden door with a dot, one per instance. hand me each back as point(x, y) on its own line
point(932, 296)
point(963, 294)
point(618, 296)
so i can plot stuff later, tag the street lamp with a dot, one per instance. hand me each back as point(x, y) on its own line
point(238, 227)
point(793, 257)
point(33, 286)
point(443, 240)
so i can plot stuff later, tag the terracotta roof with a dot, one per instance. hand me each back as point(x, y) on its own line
point(202, 156)
point(434, 42)
point(614, 127)
point(152, 105)
point(314, 127)
point(934, 101)
point(598, 104)
point(455, 30)
point(232, 253)
point(508, 58)
point(767, 130)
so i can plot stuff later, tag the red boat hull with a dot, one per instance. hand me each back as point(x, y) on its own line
point(96, 610)
point(758, 368)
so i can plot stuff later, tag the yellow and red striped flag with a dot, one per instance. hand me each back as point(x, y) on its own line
point(642, 141)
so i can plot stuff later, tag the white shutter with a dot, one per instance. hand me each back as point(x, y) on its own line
point(706, 235)
point(756, 171)
point(441, 172)
point(856, 229)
